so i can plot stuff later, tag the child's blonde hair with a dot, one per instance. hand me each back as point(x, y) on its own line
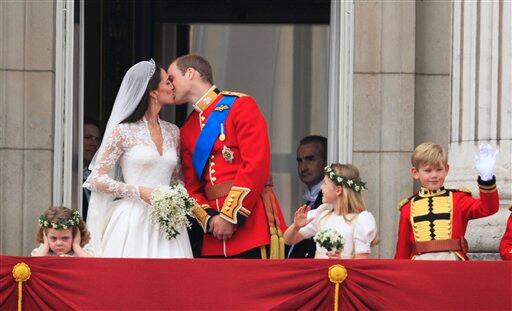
point(56, 214)
point(350, 201)
point(430, 154)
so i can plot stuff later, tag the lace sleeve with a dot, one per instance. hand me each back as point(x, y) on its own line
point(100, 179)
point(175, 138)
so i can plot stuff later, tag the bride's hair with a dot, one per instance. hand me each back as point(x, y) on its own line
point(144, 101)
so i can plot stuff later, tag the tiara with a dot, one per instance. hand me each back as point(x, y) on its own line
point(62, 224)
point(355, 185)
point(152, 69)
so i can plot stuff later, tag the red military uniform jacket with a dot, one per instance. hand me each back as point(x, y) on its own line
point(442, 216)
point(240, 163)
point(506, 241)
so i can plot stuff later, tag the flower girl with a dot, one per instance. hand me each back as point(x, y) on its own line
point(62, 232)
point(341, 225)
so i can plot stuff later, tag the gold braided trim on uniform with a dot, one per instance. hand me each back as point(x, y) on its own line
point(233, 204)
point(442, 227)
point(486, 188)
point(201, 215)
point(464, 189)
point(208, 98)
point(237, 94)
point(404, 201)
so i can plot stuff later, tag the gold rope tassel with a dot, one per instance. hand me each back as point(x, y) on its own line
point(337, 274)
point(274, 243)
point(281, 243)
point(276, 235)
point(20, 273)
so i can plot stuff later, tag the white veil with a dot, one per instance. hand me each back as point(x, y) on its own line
point(130, 93)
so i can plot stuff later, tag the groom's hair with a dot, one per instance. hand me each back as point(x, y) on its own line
point(199, 63)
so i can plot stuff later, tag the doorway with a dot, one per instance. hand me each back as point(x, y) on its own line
point(276, 51)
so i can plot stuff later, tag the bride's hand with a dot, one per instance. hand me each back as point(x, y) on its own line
point(145, 194)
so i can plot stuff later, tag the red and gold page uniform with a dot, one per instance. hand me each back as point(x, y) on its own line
point(235, 175)
point(436, 221)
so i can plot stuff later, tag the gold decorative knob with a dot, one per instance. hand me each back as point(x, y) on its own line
point(21, 272)
point(337, 273)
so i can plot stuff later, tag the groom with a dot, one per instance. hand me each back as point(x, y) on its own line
point(225, 154)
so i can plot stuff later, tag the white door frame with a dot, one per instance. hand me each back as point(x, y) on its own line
point(67, 148)
point(341, 63)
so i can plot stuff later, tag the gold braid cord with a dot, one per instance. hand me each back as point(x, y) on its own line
point(20, 273)
point(276, 235)
point(337, 274)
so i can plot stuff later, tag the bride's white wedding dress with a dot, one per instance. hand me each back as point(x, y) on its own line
point(128, 230)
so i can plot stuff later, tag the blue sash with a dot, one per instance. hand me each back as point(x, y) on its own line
point(209, 134)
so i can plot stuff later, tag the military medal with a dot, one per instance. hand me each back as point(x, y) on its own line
point(227, 154)
point(222, 136)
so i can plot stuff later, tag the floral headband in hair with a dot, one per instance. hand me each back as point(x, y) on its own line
point(62, 224)
point(357, 186)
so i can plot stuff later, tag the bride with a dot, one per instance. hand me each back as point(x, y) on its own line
point(138, 152)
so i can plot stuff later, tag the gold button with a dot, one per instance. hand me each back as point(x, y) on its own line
point(230, 200)
point(214, 179)
point(227, 209)
point(212, 157)
point(212, 171)
point(233, 195)
point(212, 163)
point(202, 118)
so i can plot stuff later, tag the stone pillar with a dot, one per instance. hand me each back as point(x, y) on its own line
point(26, 119)
point(383, 122)
point(481, 107)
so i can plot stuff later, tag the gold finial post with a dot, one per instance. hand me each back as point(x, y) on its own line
point(337, 274)
point(20, 273)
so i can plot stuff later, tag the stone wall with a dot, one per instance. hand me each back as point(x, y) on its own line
point(26, 120)
point(384, 96)
point(481, 108)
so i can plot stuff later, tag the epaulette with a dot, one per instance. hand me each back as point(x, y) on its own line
point(461, 189)
point(404, 201)
point(237, 94)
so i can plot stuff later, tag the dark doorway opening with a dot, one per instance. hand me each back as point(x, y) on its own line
point(119, 33)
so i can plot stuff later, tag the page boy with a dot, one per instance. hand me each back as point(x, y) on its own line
point(433, 221)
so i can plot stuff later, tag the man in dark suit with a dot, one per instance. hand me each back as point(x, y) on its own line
point(311, 161)
point(92, 139)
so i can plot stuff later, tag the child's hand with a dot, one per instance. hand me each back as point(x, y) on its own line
point(485, 161)
point(334, 255)
point(46, 244)
point(77, 238)
point(301, 217)
point(45, 238)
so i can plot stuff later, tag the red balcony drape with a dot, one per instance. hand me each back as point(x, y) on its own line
point(193, 284)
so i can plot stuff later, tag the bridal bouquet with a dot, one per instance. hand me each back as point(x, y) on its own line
point(171, 206)
point(330, 239)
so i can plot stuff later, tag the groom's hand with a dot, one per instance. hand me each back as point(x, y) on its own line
point(222, 229)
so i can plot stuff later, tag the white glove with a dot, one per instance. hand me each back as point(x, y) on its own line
point(485, 161)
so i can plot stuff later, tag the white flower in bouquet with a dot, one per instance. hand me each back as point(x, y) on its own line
point(329, 239)
point(170, 207)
